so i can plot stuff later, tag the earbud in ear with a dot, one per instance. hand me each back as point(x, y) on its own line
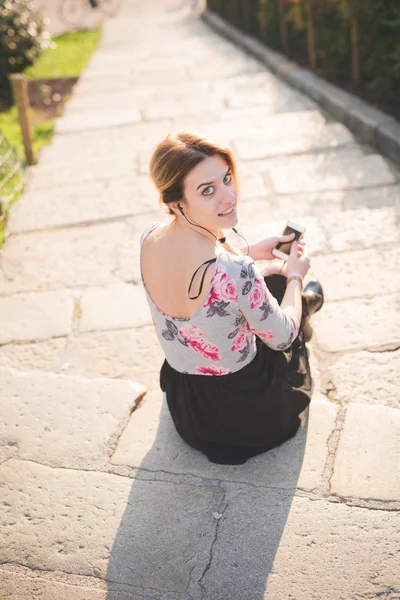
point(180, 208)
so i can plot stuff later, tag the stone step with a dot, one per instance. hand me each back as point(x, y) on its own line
point(71, 173)
point(129, 534)
point(83, 203)
point(131, 353)
point(79, 256)
point(65, 421)
point(274, 545)
point(359, 324)
point(151, 442)
point(31, 316)
point(95, 118)
point(367, 377)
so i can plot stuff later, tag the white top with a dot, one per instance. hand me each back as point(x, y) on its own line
point(219, 338)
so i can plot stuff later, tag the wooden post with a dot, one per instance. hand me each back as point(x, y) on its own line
point(355, 47)
point(312, 57)
point(247, 8)
point(282, 26)
point(20, 93)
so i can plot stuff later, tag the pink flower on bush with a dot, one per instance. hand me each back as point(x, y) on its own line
point(195, 339)
point(258, 294)
point(265, 335)
point(212, 370)
point(223, 288)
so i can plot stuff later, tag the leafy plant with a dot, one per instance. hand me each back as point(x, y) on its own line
point(23, 35)
point(378, 23)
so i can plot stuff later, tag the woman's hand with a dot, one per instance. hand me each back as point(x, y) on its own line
point(263, 250)
point(298, 260)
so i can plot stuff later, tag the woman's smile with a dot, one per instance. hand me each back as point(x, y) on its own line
point(228, 212)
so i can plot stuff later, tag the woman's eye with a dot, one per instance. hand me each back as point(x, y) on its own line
point(228, 178)
point(208, 191)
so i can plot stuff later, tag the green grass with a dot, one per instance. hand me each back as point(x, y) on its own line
point(69, 58)
point(9, 128)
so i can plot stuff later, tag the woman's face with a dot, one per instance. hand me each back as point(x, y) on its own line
point(209, 192)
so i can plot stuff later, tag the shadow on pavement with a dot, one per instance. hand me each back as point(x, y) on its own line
point(186, 537)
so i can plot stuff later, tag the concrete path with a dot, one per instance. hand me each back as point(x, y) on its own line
point(101, 499)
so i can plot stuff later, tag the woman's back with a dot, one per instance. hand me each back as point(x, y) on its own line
point(167, 265)
point(217, 337)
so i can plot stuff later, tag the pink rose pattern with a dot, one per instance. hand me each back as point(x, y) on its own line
point(224, 291)
point(265, 335)
point(194, 338)
point(212, 370)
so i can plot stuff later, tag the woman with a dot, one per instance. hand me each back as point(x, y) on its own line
point(236, 373)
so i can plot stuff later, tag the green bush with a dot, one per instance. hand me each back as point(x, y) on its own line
point(23, 35)
point(379, 44)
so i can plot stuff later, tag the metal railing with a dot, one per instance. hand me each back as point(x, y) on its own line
point(11, 176)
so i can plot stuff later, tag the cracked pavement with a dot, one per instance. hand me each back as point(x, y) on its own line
point(101, 498)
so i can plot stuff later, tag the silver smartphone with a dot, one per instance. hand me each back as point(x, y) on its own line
point(283, 249)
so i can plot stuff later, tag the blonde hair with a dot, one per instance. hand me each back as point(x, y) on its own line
point(176, 156)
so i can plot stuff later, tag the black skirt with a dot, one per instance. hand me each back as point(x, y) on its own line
point(236, 416)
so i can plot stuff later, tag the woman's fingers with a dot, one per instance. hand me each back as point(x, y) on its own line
point(286, 238)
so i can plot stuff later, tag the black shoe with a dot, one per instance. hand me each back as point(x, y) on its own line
point(314, 296)
point(312, 299)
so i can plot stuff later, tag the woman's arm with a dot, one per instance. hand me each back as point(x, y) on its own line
point(276, 325)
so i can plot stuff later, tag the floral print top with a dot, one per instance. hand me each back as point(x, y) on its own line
point(219, 338)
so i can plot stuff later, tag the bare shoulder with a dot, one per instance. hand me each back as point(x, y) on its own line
point(161, 246)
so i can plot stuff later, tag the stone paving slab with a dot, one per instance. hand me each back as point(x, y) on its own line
point(78, 256)
point(171, 108)
point(376, 197)
point(302, 548)
point(336, 158)
point(15, 585)
point(118, 306)
point(54, 176)
point(151, 442)
point(366, 464)
point(368, 377)
point(223, 67)
point(83, 203)
point(283, 98)
point(129, 354)
point(106, 97)
point(107, 526)
point(371, 170)
point(36, 316)
point(319, 204)
point(357, 274)
point(18, 583)
point(327, 136)
point(358, 324)
point(253, 125)
point(96, 119)
point(85, 89)
point(37, 356)
point(362, 228)
point(79, 430)
point(92, 145)
point(135, 79)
